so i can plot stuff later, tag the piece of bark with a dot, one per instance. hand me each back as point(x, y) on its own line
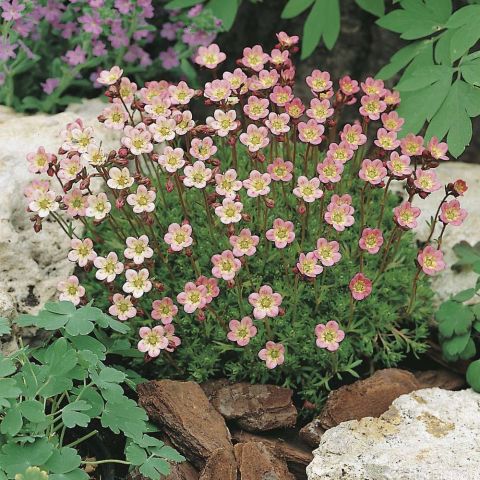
point(440, 378)
point(221, 465)
point(311, 433)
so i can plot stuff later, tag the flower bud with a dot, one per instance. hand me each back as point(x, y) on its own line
point(123, 152)
point(120, 202)
point(188, 252)
point(458, 188)
point(85, 183)
point(246, 217)
point(200, 315)
point(159, 286)
point(230, 283)
point(302, 209)
point(169, 186)
point(269, 202)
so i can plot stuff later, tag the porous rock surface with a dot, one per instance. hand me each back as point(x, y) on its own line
point(31, 265)
point(427, 434)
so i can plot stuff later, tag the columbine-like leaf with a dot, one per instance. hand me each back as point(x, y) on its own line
point(295, 7)
point(15, 458)
point(473, 375)
point(72, 416)
point(4, 326)
point(33, 410)
point(464, 295)
point(154, 468)
point(456, 345)
point(313, 29)
point(63, 460)
point(12, 421)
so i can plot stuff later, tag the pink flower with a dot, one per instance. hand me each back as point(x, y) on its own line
point(153, 340)
point(372, 106)
point(184, 122)
point(265, 303)
point(202, 149)
point(426, 180)
point(373, 87)
point(339, 200)
point(119, 179)
point(391, 97)
point(266, 79)
point(279, 57)
point(281, 95)
point(137, 282)
point(342, 152)
point(193, 297)
point(348, 86)
point(227, 183)
point(241, 332)
point(138, 249)
point(412, 145)
point(431, 260)
point(280, 170)
point(76, 203)
point(237, 79)
point(399, 165)
point(254, 58)
point(339, 216)
point(319, 110)
point(307, 265)
point(115, 116)
point(308, 190)
point(71, 290)
point(122, 307)
point(310, 132)
point(287, 41)
point(360, 286)
point(109, 77)
point(171, 159)
point(108, 267)
point(330, 170)
point(371, 240)
point(143, 200)
point(406, 215)
point(282, 233)
point(255, 138)
point(352, 134)
point(257, 184)
point(327, 252)
point(70, 167)
point(225, 265)
point(39, 161)
point(295, 108)
point(319, 81)
point(230, 211)
point(278, 123)
point(437, 150)
point(173, 341)
point(372, 171)
point(273, 354)
point(256, 108)
point(211, 287)
point(459, 187)
point(178, 236)
point(197, 175)
point(82, 251)
point(392, 122)
point(137, 139)
point(244, 244)
point(158, 107)
point(223, 122)
point(386, 140)
point(180, 94)
point(329, 336)
point(164, 310)
point(452, 213)
point(217, 90)
point(210, 57)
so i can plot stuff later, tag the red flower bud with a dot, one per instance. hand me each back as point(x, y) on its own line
point(120, 202)
point(123, 152)
point(230, 283)
point(269, 202)
point(169, 186)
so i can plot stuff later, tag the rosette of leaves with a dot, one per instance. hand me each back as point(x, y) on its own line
point(56, 397)
point(459, 319)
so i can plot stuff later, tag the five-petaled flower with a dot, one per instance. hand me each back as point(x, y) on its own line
point(360, 286)
point(329, 335)
point(241, 331)
point(265, 303)
point(71, 290)
point(431, 260)
point(371, 240)
point(282, 233)
point(273, 354)
point(153, 340)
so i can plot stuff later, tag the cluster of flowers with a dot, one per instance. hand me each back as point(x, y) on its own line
point(96, 32)
point(164, 153)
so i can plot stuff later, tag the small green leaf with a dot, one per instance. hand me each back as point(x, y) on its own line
point(174, 4)
point(469, 351)
point(471, 72)
point(33, 410)
point(455, 345)
point(463, 16)
point(72, 417)
point(313, 29)
point(169, 453)
point(60, 308)
point(7, 367)
point(332, 22)
point(16, 458)
point(464, 295)
point(473, 375)
point(4, 326)
point(154, 468)
point(225, 10)
point(63, 460)
point(295, 7)
point(400, 59)
point(375, 7)
point(135, 454)
point(464, 39)
point(12, 422)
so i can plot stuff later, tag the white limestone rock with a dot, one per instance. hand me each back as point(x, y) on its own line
point(425, 435)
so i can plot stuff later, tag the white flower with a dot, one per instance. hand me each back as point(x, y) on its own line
point(171, 159)
point(143, 200)
point(108, 268)
point(138, 249)
point(229, 211)
point(94, 156)
point(70, 290)
point(137, 282)
point(109, 77)
point(98, 206)
point(43, 203)
point(119, 179)
point(197, 175)
point(82, 138)
point(82, 251)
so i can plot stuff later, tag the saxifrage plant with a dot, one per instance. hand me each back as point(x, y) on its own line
point(265, 235)
point(55, 398)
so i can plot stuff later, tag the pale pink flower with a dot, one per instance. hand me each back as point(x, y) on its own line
point(320, 110)
point(211, 287)
point(122, 307)
point(76, 203)
point(360, 286)
point(273, 354)
point(307, 265)
point(180, 94)
point(295, 108)
point(452, 214)
point(137, 282)
point(210, 57)
point(159, 107)
point(39, 161)
point(286, 40)
point(257, 184)
point(82, 251)
point(386, 140)
point(399, 165)
point(94, 156)
point(42, 203)
point(310, 132)
point(341, 152)
point(437, 150)
point(172, 159)
point(372, 106)
point(373, 87)
point(163, 129)
point(108, 267)
point(115, 116)
point(143, 200)
point(327, 252)
point(339, 216)
point(372, 171)
point(154, 90)
point(81, 138)
point(406, 215)
point(202, 149)
point(431, 260)
point(241, 331)
point(137, 139)
point(70, 167)
point(109, 77)
point(71, 290)
point(412, 145)
point(282, 233)
point(164, 310)
point(255, 138)
point(138, 249)
point(280, 170)
point(348, 86)
point(352, 134)
point(217, 90)
point(244, 243)
point(225, 265)
point(392, 122)
point(193, 297)
point(391, 97)
point(197, 175)
point(223, 122)
point(37, 185)
point(119, 179)
point(329, 335)
point(184, 122)
point(237, 79)
point(227, 184)
point(265, 303)
point(426, 180)
point(256, 108)
point(153, 340)
point(279, 57)
point(126, 91)
point(330, 170)
point(278, 123)
point(319, 81)
point(178, 236)
point(344, 199)
point(281, 95)
point(229, 211)
point(308, 190)
point(173, 340)
point(254, 58)
point(98, 206)
point(371, 240)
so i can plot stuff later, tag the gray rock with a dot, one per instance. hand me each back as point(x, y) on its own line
point(427, 434)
